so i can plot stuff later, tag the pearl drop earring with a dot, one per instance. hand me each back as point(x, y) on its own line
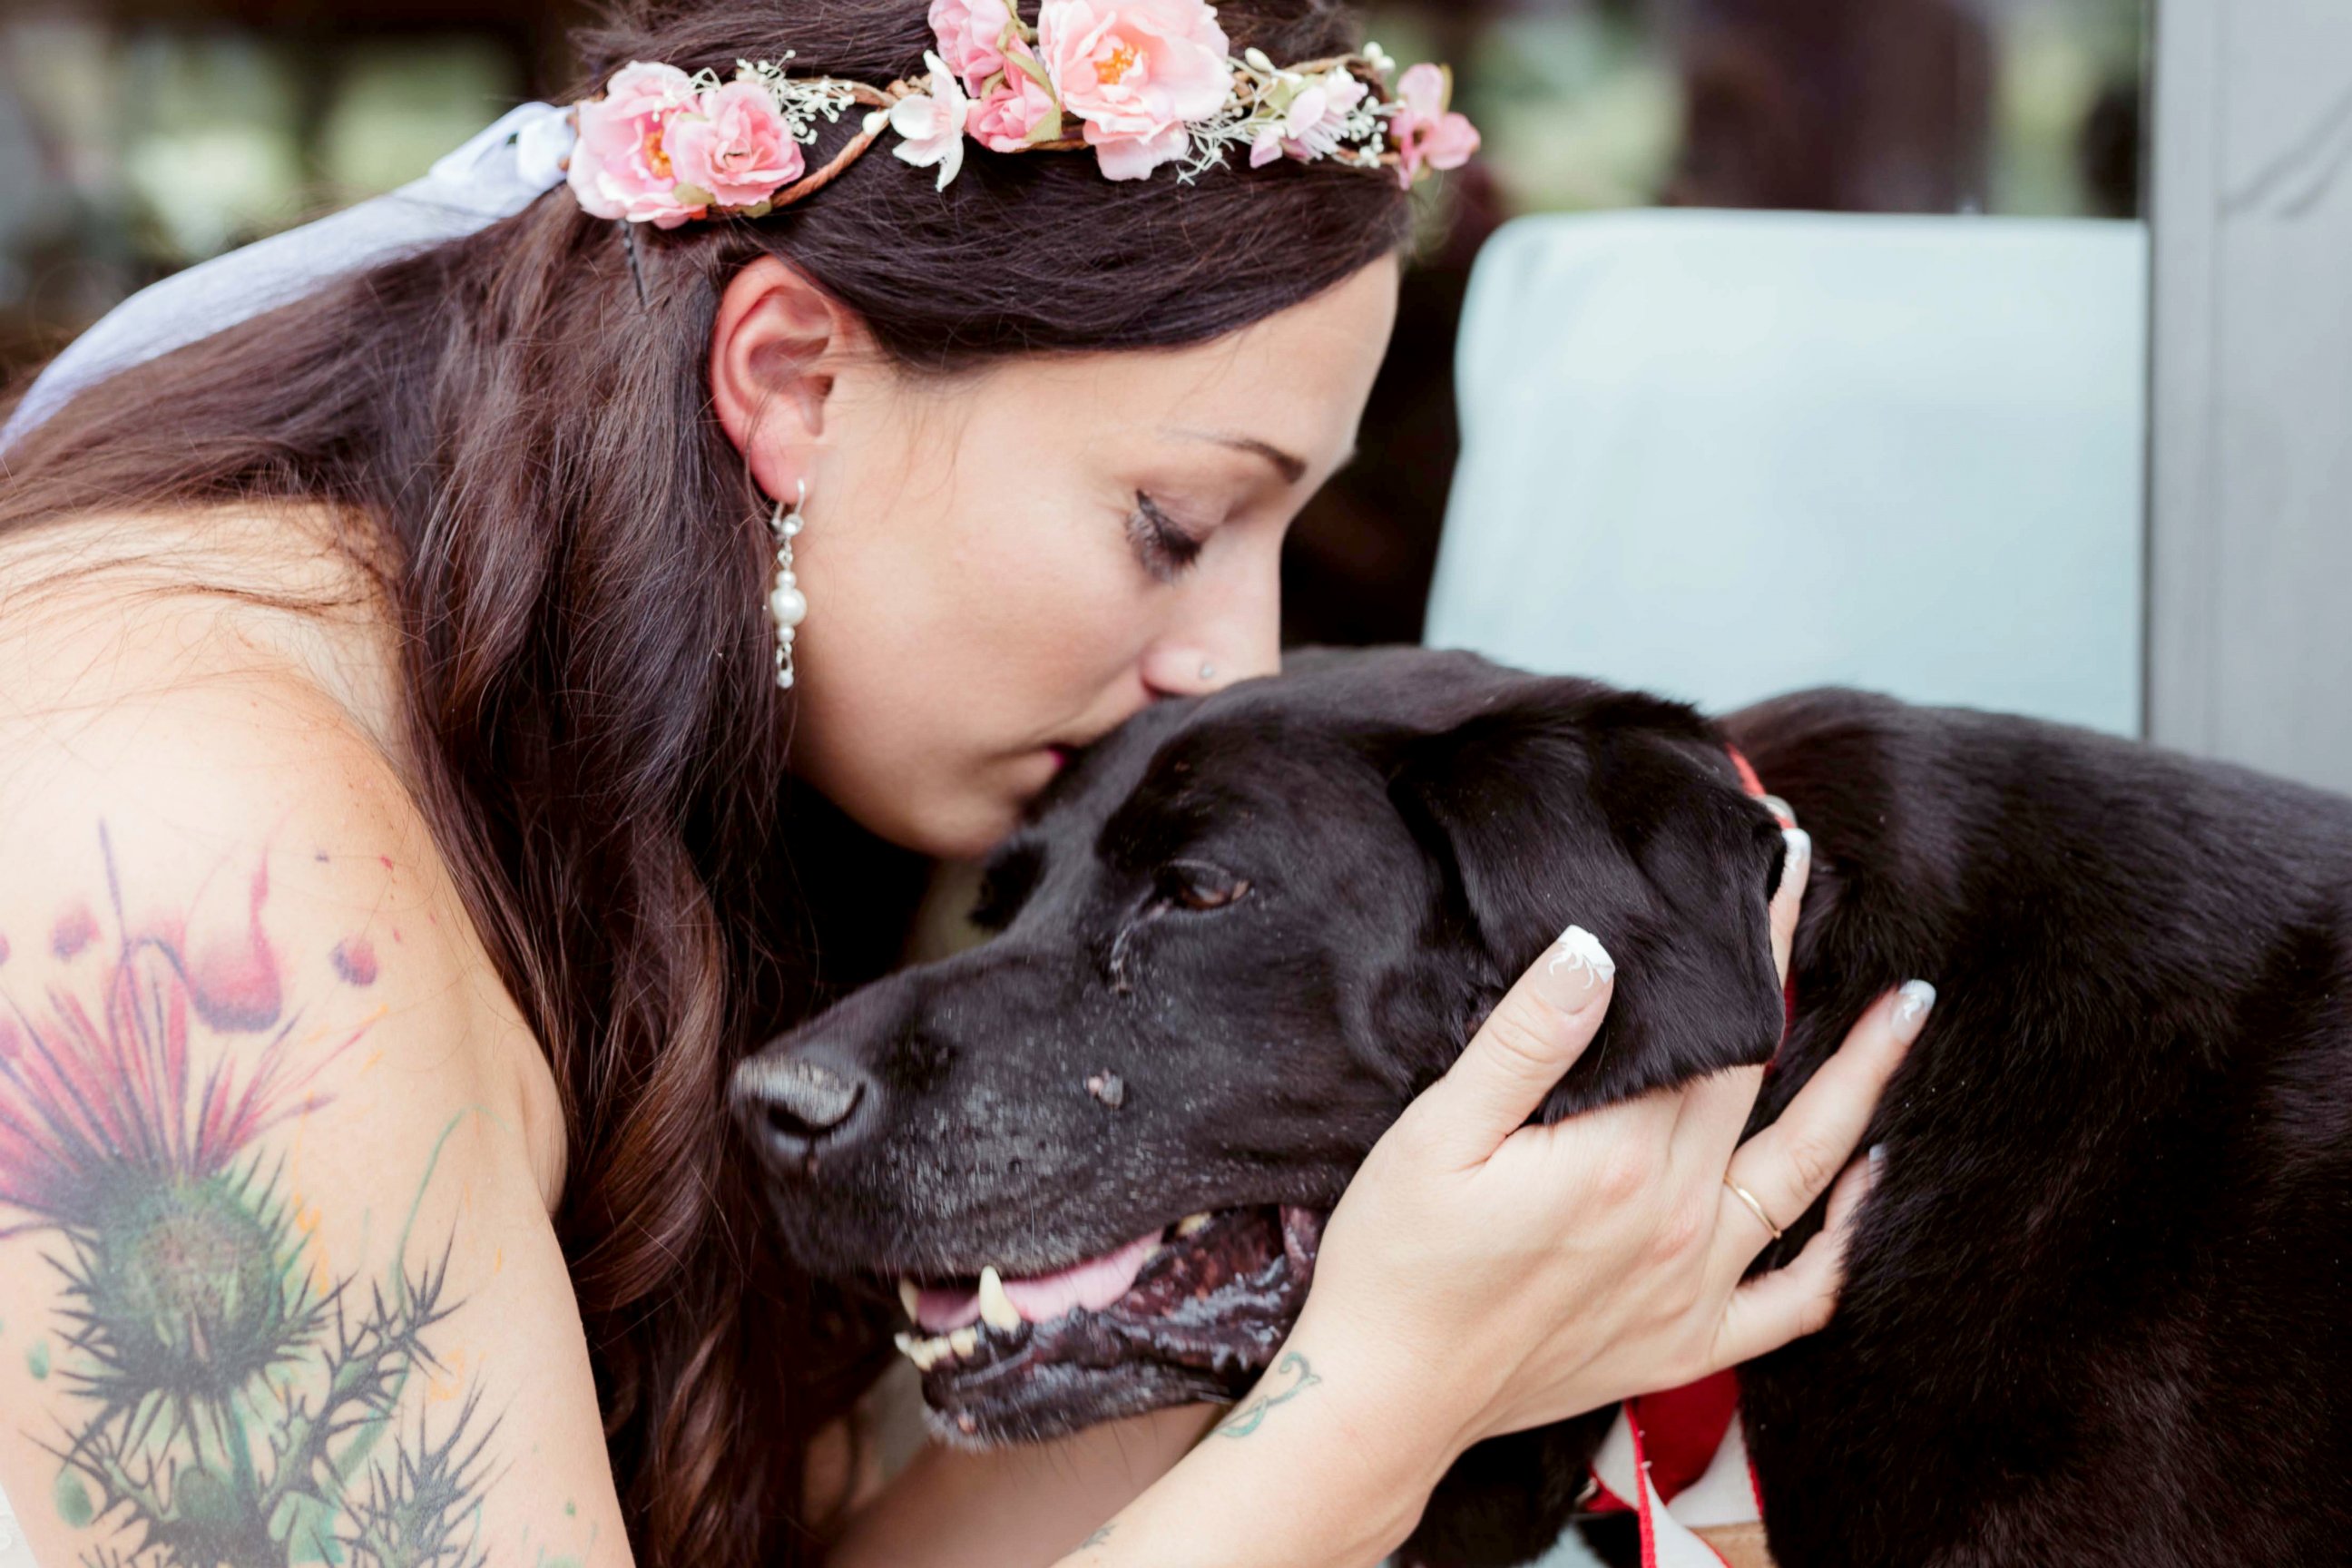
point(787, 606)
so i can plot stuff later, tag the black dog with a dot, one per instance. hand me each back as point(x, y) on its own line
point(2095, 1311)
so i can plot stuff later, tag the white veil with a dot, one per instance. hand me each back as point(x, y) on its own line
point(494, 175)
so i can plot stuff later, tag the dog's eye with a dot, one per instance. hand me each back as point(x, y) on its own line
point(1196, 884)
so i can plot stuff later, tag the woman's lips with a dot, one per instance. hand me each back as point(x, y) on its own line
point(1061, 755)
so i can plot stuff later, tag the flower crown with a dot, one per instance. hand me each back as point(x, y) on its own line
point(1147, 82)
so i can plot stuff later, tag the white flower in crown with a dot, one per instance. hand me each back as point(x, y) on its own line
point(931, 124)
point(1310, 116)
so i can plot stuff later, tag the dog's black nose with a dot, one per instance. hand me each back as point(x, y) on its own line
point(796, 1103)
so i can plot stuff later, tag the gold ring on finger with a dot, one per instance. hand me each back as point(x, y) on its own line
point(1744, 1196)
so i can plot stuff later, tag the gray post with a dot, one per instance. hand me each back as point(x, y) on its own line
point(2250, 566)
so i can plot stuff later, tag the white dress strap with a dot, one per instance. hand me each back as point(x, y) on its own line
point(15, 1551)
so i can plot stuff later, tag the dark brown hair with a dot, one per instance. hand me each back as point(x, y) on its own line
point(514, 430)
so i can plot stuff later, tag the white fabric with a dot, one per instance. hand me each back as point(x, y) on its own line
point(494, 175)
point(15, 1551)
point(1726, 455)
point(1726, 1494)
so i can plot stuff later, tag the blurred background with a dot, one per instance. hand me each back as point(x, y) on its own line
point(137, 136)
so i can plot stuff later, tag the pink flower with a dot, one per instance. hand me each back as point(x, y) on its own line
point(1310, 127)
point(1021, 109)
point(1425, 132)
point(620, 168)
point(126, 1074)
point(1136, 71)
point(735, 149)
point(970, 33)
point(931, 124)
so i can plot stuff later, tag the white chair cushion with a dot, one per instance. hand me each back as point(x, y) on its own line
point(1724, 454)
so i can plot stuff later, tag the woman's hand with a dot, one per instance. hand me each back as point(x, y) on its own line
point(1514, 1276)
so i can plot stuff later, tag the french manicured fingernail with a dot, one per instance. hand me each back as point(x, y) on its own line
point(1801, 856)
point(1911, 1008)
point(1574, 969)
point(1780, 809)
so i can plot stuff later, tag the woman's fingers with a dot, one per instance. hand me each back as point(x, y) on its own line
point(1788, 895)
point(1784, 1304)
point(1790, 1163)
point(1534, 1034)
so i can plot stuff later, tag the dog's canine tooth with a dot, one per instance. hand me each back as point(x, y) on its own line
point(909, 1298)
point(964, 1341)
point(996, 1309)
point(1191, 1224)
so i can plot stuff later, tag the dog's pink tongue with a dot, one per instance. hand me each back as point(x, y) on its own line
point(1092, 1285)
point(938, 1310)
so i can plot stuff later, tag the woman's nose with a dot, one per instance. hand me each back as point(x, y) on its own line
point(1236, 634)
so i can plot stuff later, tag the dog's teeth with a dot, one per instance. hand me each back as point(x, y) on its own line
point(909, 1298)
point(1191, 1224)
point(923, 1353)
point(996, 1309)
point(964, 1341)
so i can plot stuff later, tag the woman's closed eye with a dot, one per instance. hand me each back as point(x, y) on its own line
point(1165, 547)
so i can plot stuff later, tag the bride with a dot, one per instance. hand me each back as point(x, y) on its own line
point(478, 666)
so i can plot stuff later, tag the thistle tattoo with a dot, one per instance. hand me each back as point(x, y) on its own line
point(231, 1404)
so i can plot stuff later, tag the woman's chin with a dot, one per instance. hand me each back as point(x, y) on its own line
point(963, 818)
point(975, 821)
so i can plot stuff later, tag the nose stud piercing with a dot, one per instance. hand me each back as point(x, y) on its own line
point(1208, 671)
point(787, 606)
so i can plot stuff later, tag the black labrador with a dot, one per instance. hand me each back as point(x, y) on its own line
point(2096, 1307)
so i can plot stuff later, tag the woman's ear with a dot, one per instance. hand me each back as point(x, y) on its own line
point(777, 349)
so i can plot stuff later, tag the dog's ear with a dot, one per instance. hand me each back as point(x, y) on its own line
point(1569, 804)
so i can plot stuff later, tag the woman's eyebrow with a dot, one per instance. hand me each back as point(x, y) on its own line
point(1291, 467)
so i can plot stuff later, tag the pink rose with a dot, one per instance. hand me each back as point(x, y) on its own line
point(1007, 120)
point(1136, 71)
point(969, 32)
point(735, 147)
point(1425, 132)
point(620, 167)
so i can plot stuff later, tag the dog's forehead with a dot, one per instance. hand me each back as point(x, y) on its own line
point(1324, 705)
point(1292, 740)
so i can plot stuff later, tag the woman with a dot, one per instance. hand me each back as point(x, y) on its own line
point(422, 786)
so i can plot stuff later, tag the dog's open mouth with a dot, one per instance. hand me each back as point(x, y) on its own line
point(1187, 1312)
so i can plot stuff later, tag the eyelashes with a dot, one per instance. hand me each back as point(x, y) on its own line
point(1162, 544)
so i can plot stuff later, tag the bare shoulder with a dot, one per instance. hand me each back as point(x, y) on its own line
point(183, 753)
point(278, 1281)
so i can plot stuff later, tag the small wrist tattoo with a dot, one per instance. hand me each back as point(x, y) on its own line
point(1252, 1416)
